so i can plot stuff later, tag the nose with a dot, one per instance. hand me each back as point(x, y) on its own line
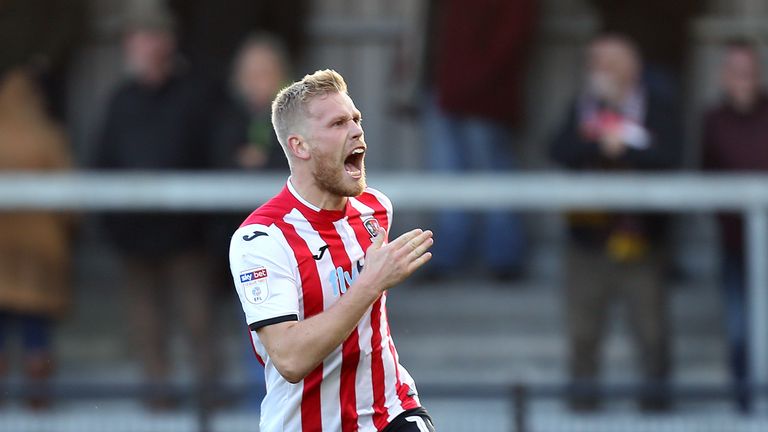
point(356, 130)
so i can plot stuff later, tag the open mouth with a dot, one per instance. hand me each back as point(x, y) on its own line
point(353, 164)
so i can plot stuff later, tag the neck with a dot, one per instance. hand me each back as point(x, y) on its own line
point(622, 96)
point(744, 104)
point(308, 189)
point(157, 76)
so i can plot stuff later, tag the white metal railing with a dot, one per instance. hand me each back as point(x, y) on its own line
point(207, 191)
point(748, 194)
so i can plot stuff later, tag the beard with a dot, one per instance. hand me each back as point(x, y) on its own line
point(333, 178)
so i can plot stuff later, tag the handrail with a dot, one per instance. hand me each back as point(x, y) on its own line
point(212, 191)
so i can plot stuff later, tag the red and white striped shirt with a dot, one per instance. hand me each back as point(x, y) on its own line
point(291, 260)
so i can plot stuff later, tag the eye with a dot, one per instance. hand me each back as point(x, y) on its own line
point(339, 122)
point(358, 120)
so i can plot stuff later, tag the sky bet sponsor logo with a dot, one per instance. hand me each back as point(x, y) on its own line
point(341, 279)
point(253, 275)
point(254, 285)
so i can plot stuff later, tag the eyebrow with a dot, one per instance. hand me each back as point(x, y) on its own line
point(355, 115)
point(334, 119)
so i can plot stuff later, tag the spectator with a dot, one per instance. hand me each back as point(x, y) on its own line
point(158, 120)
point(34, 246)
point(45, 35)
point(659, 28)
point(244, 137)
point(480, 56)
point(211, 31)
point(736, 139)
point(617, 125)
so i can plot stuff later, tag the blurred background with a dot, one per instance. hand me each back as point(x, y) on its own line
point(128, 321)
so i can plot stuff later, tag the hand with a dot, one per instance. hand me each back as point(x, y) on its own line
point(612, 144)
point(387, 265)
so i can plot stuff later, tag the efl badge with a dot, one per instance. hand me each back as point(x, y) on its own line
point(254, 284)
point(372, 226)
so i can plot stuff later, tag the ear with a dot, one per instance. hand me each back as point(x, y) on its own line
point(298, 147)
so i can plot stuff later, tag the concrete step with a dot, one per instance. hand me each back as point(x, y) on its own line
point(462, 330)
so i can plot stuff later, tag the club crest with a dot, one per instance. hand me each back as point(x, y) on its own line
point(372, 226)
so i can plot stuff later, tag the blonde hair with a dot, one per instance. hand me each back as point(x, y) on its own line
point(290, 105)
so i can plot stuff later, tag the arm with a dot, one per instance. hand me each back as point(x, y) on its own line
point(103, 155)
point(569, 149)
point(665, 150)
point(297, 347)
point(709, 157)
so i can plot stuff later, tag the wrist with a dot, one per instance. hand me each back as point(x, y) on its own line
point(369, 287)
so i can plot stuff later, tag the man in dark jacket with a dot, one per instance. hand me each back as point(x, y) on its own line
point(736, 139)
point(244, 138)
point(158, 120)
point(617, 125)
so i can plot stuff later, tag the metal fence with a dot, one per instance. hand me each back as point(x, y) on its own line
point(457, 408)
point(204, 192)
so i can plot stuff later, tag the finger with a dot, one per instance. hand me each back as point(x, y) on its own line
point(418, 262)
point(378, 241)
point(415, 242)
point(403, 239)
point(421, 249)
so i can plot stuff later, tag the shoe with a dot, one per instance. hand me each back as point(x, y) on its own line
point(507, 275)
point(162, 404)
point(744, 405)
point(584, 405)
point(656, 398)
point(657, 405)
point(38, 369)
point(4, 368)
point(584, 396)
point(743, 398)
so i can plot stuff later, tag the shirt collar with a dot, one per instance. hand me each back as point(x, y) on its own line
point(313, 210)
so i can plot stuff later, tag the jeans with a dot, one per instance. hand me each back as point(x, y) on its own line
point(35, 331)
point(734, 298)
point(163, 292)
point(466, 144)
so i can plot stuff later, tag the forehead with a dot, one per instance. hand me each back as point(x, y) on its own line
point(610, 51)
point(740, 57)
point(259, 55)
point(330, 106)
point(143, 34)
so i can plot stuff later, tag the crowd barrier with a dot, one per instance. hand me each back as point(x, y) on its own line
point(226, 191)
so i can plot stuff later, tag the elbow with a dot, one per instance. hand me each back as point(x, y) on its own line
point(293, 358)
point(291, 370)
point(293, 380)
point(293, 377)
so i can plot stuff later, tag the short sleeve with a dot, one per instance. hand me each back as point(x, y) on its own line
point(263, 277)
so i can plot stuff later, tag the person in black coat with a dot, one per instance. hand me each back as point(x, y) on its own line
point(158, 120)
point(617, 124)
point(735, 140)
point(243, 137)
